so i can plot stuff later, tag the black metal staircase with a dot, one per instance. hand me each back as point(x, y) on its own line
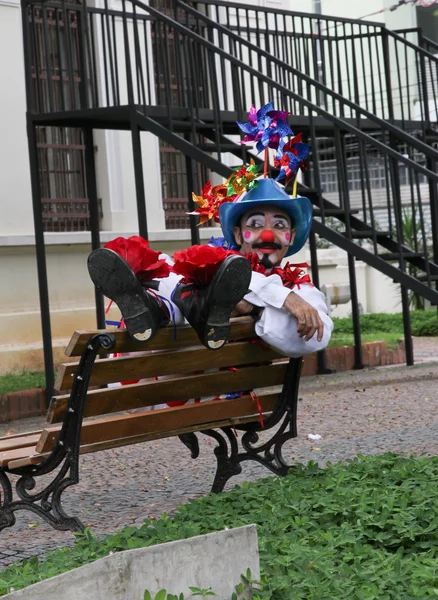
point(187, 78)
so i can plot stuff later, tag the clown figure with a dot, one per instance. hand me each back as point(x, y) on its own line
point(268, 225)
point(207, 285)
point(240, 275)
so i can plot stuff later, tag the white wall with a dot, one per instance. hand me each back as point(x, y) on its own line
point(376, 292)
point(116, 184)
point(352, 10)
point(15, 190)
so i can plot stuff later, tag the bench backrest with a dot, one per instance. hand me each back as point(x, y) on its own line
point(176, 368)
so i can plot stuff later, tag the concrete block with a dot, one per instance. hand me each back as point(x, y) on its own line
point(215, 560)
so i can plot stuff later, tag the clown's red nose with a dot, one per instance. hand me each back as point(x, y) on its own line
point(267, 236)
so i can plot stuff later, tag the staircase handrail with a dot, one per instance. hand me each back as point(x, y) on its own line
point(320, 17)
point(383, 124)
point(399, 38)
point(285, 12)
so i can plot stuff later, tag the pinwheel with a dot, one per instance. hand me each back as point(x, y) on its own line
point(209, 201)
point(290, 157)
point(265, 126)
point(242, 179)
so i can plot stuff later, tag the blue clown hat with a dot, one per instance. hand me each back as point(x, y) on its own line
point(268, 193)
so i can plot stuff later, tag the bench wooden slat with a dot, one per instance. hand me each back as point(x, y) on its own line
point(167, 363)
point(15, 454)
point(22, 441)
point(35, 459)
point(242, 328)
point(117, 399)
point(19, 435)
point(162, 420)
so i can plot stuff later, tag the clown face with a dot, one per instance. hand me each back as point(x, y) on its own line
point(266, 231)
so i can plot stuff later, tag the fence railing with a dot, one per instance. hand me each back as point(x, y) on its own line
point(380, 70)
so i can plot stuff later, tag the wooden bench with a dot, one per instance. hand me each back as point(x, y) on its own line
point(94, 416)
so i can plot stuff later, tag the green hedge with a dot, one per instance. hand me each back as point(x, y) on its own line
point(424, 323)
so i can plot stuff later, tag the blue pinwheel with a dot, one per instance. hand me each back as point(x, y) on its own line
point(290, 157)
point(265, 126)
point(219, 242)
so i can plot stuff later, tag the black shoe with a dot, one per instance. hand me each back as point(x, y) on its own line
point(208, 309)
point(143, 312)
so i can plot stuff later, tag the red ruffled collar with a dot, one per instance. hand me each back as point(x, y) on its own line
point(291, 274)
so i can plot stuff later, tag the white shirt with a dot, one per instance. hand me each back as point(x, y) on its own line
point(277, 327)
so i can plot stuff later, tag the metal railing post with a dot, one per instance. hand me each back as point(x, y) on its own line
point(387, 69)
point(190, 174)
point(139, 176)
point(93, 207)
point(321, 355)
point(40, 249)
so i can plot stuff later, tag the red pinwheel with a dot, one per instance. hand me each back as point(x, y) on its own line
point(290, 157)
point(144, 261)
point(265, 126)
point(209, 202)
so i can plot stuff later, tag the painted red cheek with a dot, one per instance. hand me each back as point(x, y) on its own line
point(247, 235)
point(267, 236)
point(287, 236)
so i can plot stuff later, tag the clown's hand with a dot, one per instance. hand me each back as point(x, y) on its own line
point(242, 308)
point(308, 317)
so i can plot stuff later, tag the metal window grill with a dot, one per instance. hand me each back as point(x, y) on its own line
point(174, 186)
point(60, 150)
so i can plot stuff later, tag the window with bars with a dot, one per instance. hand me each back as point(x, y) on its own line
point(60, 150)
point(174, 186)
point(377, 173)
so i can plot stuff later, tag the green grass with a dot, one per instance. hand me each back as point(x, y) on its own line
point(22, 381)
point(384, 327)
point(424, 323)
point(344, 339)
point(363, 531)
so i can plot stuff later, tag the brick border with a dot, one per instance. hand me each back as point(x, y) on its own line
point(22, 404)
point(375, 354)
point(31, 403)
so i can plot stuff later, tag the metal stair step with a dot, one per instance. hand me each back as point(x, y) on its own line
point(395, 255)
point(334, 212)
point(367, 234)
point(425, 278)
point(223, 147)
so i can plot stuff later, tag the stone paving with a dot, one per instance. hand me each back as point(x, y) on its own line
point(369, 412)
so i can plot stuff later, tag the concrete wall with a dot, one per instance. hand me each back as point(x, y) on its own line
point(15, 192)
point(71, 292)
point(377, 293)
point(216, 560)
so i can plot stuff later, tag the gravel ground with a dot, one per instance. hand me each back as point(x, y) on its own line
point(368, 412)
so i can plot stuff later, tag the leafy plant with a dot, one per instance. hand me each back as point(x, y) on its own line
point(162, 595)
point(412, 228)
point(201, 592)
point(244, 590)
point(363, 530)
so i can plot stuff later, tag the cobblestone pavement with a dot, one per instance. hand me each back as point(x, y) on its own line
point(369, 412)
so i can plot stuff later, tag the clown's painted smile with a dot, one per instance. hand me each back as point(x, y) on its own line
point(268, 232)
